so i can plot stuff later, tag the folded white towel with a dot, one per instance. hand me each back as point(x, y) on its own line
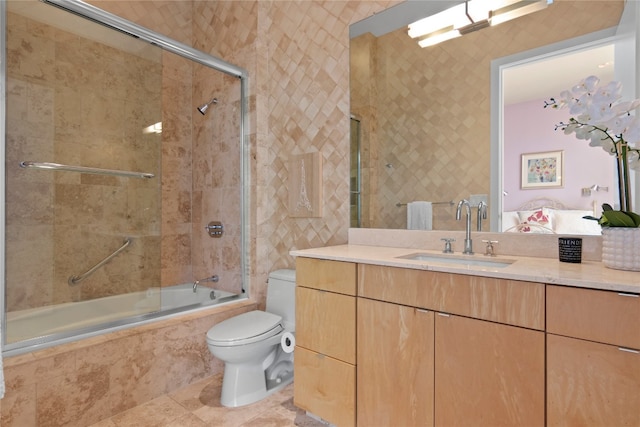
point(419, 216)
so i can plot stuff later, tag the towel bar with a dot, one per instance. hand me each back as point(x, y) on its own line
point(450, 203)
point(83, 169)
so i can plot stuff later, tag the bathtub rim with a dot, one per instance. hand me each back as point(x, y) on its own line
point(54, 340)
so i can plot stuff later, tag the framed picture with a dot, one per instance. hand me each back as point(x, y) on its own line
point(542, 170)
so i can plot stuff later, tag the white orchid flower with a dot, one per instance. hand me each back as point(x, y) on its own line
point(580, 104)
point(632, 133)
point(601, 112)
point(608, 94)
point(619, 125)
point(585, 87)
point(607, 144)
point(590, 83)
point(566, 98)
point(581, 131)
point(599, 118)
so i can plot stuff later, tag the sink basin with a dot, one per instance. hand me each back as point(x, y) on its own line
point(468, 260)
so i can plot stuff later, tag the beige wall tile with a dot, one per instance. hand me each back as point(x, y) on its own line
point(441, 134)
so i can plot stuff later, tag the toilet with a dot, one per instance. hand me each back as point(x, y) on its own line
point(255, 364)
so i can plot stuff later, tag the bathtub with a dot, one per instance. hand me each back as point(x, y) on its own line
point(38, 325)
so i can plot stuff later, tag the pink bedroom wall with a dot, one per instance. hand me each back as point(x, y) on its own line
point(529, 128)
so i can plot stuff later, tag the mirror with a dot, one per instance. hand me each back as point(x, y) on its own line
point(425, 115)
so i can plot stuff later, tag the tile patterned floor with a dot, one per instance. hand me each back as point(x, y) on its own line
point(198, 405)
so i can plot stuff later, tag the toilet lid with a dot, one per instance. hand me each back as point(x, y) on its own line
point(245, 328)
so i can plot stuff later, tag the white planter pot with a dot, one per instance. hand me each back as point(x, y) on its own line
point(621, 248)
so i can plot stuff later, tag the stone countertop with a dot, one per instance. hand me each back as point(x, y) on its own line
point(588, 274)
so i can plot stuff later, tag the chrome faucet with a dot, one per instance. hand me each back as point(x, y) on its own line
point(482, 213)
point(213, 278)
point(468, 244)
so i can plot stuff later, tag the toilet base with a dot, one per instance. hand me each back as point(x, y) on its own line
point(244, 384)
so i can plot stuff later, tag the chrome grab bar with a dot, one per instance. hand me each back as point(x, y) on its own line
point(450, 203)
point(74, 280)
point(83, 169)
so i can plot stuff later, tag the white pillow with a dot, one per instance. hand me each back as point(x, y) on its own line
point(572, 222)
point(510, 221)
point(537, 221)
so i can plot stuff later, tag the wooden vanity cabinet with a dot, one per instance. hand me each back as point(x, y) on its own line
point(442, 349)
point(477, 367)
point(325, 353)
point(593, 357)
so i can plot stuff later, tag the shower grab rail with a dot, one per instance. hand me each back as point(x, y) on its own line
point(84, 169)
point(74, 280)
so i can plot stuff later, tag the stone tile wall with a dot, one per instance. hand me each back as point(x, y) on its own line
point(298, 60)
point(74, 101)
point(438, 138)
point(81, 383)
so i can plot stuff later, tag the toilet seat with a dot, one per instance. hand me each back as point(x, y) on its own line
point(245, 328)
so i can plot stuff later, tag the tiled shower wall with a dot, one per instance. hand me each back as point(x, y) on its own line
point(59, 223)
point(435, 144)
point(73, 101)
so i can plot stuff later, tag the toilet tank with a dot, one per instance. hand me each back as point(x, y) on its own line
point(281, 296)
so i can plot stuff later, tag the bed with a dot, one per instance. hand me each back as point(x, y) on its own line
point(549, 216)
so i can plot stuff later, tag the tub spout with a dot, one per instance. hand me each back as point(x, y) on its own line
point(213, 278)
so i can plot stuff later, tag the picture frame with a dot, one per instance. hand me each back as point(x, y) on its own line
point(542, 170)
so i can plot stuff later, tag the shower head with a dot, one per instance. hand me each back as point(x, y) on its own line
point(203, 108)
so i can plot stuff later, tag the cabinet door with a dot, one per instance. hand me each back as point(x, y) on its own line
point(488, 374)
point(324, 386)
point(591, 384)
point(326, 323)
point(395, 365)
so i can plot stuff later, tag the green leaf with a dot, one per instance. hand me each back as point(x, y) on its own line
point(612, 218)
point(635, 217)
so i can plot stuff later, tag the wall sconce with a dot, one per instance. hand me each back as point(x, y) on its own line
point(587, 190)
point(470, 16)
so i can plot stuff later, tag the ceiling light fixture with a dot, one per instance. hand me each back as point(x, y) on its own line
point(470, 16)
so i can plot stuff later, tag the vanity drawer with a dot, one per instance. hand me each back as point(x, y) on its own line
point(604, 316)
point(326, 323)
point(334, 276)
point(511, 302)
point(325, 387)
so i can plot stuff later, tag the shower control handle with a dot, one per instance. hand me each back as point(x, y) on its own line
point(214, 228)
